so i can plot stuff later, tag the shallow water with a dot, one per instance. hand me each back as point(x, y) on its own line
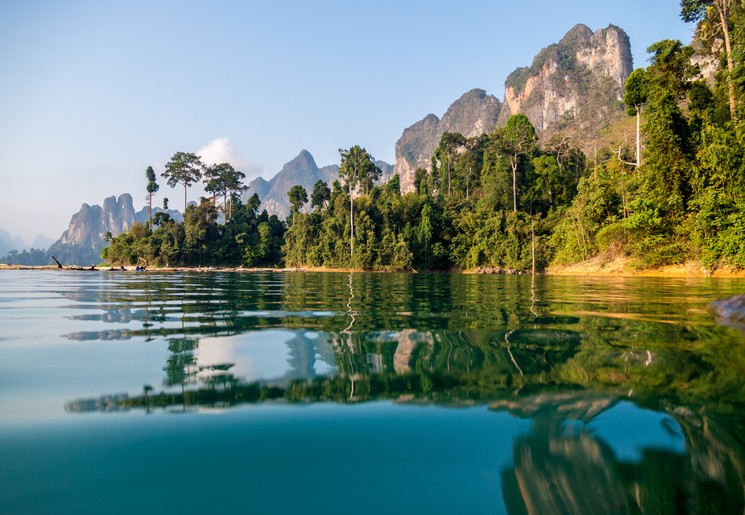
point(338, 392)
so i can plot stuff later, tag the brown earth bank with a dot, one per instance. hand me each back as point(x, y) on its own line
point(623, 267)
point(599, 266)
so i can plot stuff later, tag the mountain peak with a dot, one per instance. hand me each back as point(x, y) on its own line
point(474, 113)
point(577, 34)
point(303, 161)
point(575, 83)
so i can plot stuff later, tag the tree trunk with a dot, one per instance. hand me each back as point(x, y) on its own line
point(184, 201)
point(638, 135)
point(532, 246)
point(514, 183)
point(351, 222)
point(449, 189)
point(722, 8)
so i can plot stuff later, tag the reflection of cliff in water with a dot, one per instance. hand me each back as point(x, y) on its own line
point(581, 457)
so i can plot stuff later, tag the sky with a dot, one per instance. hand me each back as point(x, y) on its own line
point(94, 92)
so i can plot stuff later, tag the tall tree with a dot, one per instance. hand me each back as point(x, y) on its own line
point(519, 139)
point(185, 168)
point(297, 197)
point(152, 187)
point(669, 154)
point(634, 97)
point(697, 10)
point(225, 180)
point(320, 196)
point(357, 165)
point(450, 143)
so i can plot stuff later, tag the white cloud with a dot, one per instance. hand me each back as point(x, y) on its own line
point(220, 150)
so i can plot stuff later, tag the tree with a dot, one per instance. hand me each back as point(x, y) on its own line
point(393, 186)
point(225, 180)
point(668, 156)
point(450, 142)
point(320, 196)
point(369, 174)
point(697, 10)
point(152, 187)
point(357, 165)
point(519, 138)
point(297, 197)
point(184, 167)
point(634, 97)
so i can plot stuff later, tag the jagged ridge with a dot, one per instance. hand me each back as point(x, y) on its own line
point(472, 114)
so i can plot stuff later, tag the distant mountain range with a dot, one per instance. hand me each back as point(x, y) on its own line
point(83, 240)
point(303, 171)
point(9, 242)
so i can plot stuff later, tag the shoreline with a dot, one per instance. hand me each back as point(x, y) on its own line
point(595, 267)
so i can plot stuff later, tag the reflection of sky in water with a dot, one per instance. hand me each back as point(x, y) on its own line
point(629, 431)
point(266, 355)
point(255, 357)
point(36, 380)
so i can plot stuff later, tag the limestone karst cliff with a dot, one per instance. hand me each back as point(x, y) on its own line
point(83, 240)
point(576, 82)
point(575, 86)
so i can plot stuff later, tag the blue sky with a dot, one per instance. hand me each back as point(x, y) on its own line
point(92, 92)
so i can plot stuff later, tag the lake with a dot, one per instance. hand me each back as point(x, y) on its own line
point(124, 392)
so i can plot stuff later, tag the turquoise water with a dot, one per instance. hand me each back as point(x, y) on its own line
point(336, 392)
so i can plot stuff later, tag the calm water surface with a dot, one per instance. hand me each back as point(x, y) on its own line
point(367, 393)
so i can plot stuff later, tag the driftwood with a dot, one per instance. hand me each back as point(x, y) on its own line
point(59, 265)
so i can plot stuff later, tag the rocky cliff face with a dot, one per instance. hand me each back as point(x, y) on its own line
point(578, 82)
point(90, 224)
point(471, 115)
point(575, 86)
point(83, 241)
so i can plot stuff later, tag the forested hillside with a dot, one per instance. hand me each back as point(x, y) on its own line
point(503, 201)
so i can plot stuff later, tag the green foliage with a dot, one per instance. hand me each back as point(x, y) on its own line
point(488, 201)
point(636, 90)
point(224, 180)
point(183, 168)
point(152, 188)
point(694, 10)
point(297, 197)
point(320, 196)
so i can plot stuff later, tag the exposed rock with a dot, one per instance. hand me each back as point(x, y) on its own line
point(575, 86)
point(730, 310)
point(706, 55)
point(83, 241)
point(577, 82)
point(91, 223)
point(471, 115)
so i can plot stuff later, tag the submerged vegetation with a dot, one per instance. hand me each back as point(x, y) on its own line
point(506, 200)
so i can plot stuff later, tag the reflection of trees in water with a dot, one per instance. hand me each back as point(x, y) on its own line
point(561, 467)
point(181, 366)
